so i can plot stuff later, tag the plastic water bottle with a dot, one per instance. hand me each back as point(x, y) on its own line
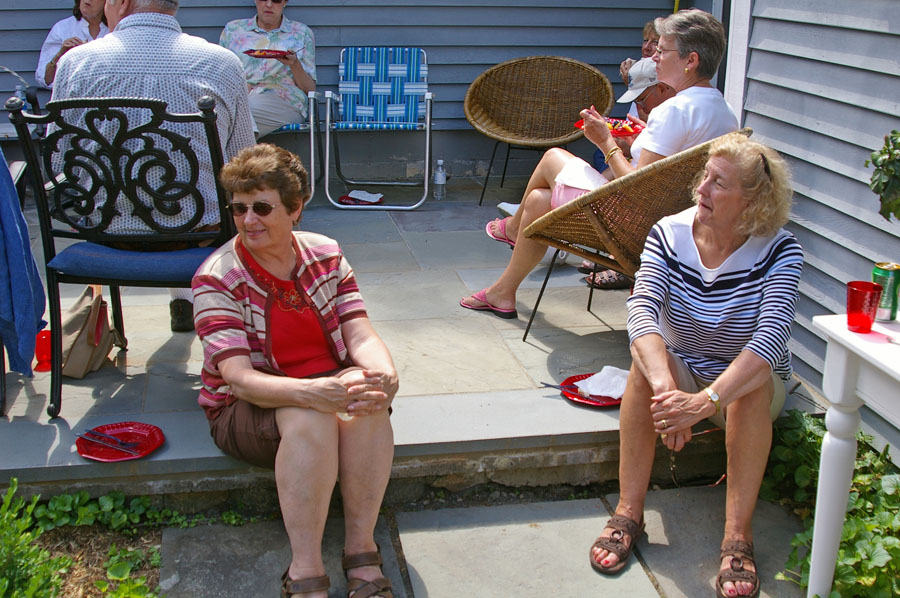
point(20, 93)
point(440, 181)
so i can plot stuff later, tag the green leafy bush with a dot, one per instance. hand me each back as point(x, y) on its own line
point(26, 570)
point(868, 563)
point(885, 181)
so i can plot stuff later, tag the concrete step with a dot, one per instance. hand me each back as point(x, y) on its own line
point(528, 437)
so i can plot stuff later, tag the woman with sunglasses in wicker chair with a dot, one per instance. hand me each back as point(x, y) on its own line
point(691, 45)
point(294, 375)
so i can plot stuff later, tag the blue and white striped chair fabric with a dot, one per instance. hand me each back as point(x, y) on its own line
point(382, 88)
point(379, 89)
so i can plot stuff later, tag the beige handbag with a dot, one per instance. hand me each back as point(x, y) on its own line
point(87, 337)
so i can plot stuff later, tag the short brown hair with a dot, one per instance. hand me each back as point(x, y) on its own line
point(266, 166)
point(765, 183)
point(650, 30)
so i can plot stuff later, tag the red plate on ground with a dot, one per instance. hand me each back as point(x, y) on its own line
point(591, 401)
point(148, 438)
point(260, 53)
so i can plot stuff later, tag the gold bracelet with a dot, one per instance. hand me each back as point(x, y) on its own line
point(611, 153)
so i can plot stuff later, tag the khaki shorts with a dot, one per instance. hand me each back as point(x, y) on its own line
point(248, 432)
point(688, 382)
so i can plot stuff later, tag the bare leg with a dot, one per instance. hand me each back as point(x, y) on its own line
point(543, 177)
point(637, 445)
point(366, 454)
point(526, 254)
point(306, 468)
point(748, 438)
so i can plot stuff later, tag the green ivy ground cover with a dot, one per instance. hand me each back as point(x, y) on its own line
point(868, 563)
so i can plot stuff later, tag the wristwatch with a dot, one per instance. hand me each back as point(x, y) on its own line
point(713, 398)
point(52, 62)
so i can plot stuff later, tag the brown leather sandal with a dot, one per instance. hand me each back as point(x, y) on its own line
point(361, 588)
point(623, 528)
point(289, 586)
point(739, 551)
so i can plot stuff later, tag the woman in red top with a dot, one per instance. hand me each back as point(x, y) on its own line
point(294, 375)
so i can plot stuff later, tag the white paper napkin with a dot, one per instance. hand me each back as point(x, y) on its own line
point(365, 196)
point(608, 382)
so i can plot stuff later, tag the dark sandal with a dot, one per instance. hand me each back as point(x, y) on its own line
point(739, 552)
point(608, 279)
point(289, 586)
point(623, 528)
point(360, 588)
point(586, 267)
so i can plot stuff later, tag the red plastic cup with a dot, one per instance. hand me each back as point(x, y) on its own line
point(862, 301)
point(42, 351)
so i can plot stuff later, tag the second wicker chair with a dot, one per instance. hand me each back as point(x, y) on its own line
point(532, 102)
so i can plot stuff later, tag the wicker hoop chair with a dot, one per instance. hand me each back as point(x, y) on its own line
point(610, 224)
point(532, 102)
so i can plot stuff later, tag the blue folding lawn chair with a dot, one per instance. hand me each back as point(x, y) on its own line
point(380, 89)
point(310, 126)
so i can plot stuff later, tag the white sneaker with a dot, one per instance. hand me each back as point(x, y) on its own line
point(507, 209)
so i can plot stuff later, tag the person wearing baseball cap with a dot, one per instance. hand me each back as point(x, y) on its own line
point(691, 45)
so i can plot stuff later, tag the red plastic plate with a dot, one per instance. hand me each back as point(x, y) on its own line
point(148, 437)
point(618, 127)
point(591, 401)
point(352, 201)
point(259, 53)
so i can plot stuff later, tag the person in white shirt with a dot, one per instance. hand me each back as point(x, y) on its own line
point(86, 23)
point(691, 45)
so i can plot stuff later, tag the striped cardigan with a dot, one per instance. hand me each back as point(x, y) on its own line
point(231, 309)
point(707, 316)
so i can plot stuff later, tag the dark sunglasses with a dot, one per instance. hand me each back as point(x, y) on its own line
point(260, 208)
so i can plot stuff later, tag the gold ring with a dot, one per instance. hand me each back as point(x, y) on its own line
point(664, 424)
point(663, 436)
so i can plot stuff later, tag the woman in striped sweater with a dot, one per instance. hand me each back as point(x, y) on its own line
point(709, 322)
point(294, 376)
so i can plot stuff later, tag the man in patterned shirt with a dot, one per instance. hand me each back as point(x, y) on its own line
point(278, 86)
point(146, 55)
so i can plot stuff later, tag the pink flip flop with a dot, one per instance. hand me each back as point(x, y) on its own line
point(506, 314)
point(501, 226)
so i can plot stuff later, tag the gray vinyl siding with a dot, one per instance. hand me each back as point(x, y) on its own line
point(462, 38)
point(823, 86)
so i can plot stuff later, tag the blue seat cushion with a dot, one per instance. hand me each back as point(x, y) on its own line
point(92, 260)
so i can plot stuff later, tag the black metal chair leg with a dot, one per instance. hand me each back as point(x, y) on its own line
point(55, 345)
point(540, 295)
point(591, 287)
point(487, 176)
point(115, 297)
point(505, 164)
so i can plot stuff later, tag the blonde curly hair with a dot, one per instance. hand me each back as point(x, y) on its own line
point(765, 183)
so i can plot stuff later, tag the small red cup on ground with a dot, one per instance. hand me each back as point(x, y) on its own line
point(862, 301)
point(42, 351)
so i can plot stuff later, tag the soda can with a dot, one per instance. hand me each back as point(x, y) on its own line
point(887, 274)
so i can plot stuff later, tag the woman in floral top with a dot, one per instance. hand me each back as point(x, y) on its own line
point(278, 86)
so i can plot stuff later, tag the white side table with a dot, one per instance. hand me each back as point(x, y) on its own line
point(859, 369)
